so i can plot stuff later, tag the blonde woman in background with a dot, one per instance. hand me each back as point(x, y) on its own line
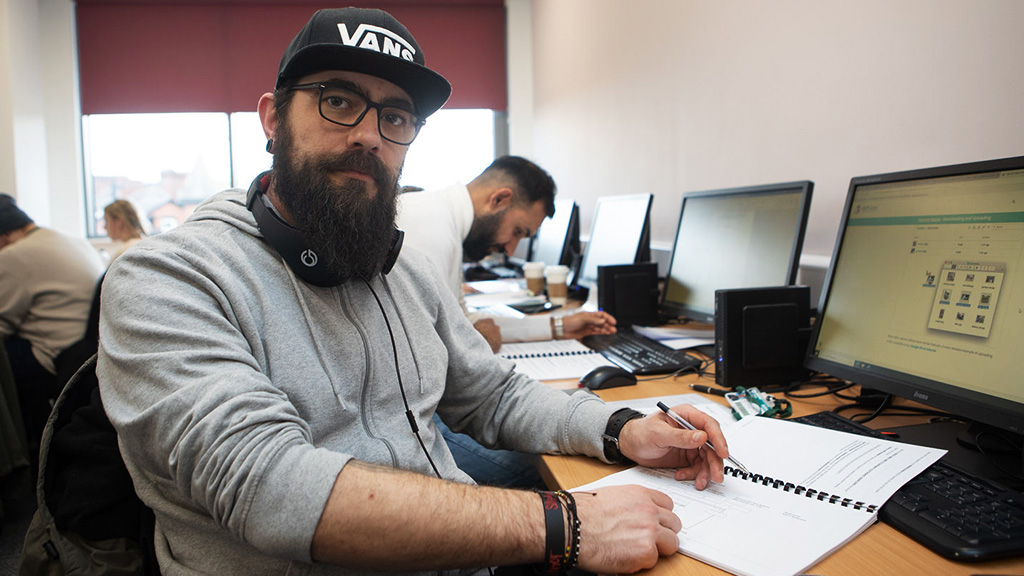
point(123, 226)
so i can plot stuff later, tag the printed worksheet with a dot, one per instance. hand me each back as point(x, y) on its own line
point(818, 487)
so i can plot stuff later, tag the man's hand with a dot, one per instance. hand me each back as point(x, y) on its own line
point(583, 324)
point(625, 529)
point(657, 441)
point(490, 331)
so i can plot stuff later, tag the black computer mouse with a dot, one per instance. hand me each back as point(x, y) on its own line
point(607, 377)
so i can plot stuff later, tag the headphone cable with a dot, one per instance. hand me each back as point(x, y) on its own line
point(401, 387)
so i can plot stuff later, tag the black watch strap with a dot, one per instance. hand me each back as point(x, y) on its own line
point(611, 434)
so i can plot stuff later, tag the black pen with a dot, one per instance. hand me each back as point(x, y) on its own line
point(682, 422)
point(708, 389)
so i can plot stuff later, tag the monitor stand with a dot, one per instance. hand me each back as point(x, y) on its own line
point(590, 305)
point(998, 463)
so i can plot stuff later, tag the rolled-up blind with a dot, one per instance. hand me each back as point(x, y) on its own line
point(220, 56)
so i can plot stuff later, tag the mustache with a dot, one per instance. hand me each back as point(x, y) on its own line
point(357, 161)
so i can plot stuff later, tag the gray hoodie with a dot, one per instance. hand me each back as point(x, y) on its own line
point(239, 391)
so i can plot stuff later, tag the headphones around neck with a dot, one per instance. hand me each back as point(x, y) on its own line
point(304, 261)
point(287, 241)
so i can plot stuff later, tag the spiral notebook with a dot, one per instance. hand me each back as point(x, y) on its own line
point(811, 491)
point(552, 359)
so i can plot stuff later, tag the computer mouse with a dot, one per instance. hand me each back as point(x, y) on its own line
point(607, 377)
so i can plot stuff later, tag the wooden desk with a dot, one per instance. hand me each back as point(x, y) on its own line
point(880, 550)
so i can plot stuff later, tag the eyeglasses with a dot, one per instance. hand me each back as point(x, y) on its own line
point(347, 108)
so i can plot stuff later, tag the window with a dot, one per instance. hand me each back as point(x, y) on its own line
point(164, 164)
point(167, 164)
point(454, 145)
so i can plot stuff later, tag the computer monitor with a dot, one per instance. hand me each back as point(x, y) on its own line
point(558, 239)
point(620, 234)
point(924, 295)
point(747, 237)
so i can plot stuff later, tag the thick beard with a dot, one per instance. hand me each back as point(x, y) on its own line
point(347, 225)
point(480, 240)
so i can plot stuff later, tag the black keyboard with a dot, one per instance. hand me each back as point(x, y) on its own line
point(639, 354)
point(479, 272)
point(952, 512)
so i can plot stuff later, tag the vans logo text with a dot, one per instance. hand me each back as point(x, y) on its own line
point(377, 39)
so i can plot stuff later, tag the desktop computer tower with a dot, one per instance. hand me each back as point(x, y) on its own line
point(761, 335)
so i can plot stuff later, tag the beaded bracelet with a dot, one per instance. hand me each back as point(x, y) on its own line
point(572, 547)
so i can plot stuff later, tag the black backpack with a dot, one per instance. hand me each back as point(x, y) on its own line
point(89, 521)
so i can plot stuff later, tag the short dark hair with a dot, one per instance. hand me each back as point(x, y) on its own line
point(529, 182)
point(283, 95)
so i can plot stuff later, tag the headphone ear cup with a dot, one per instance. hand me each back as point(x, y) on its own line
point(287, 241)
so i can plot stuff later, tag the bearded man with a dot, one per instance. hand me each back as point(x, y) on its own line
point(273, 365)
point(491, 214)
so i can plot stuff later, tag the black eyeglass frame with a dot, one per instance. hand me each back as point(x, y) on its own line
point(321, 86)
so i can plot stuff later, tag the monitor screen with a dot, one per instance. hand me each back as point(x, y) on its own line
point(736, 238)
point(558, 238)
point(621, 234)
point(924, 296)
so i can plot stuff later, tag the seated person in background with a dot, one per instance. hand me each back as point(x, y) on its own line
point(274, 364)
point(503, 205)
point(47, 282)
point(123, 226)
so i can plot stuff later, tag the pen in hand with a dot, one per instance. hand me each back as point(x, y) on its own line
point(682, 422)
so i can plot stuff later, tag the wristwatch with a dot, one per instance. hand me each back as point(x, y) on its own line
point(611, 435)
point(558, 327)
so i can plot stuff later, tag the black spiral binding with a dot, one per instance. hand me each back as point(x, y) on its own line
point(800, 490)
point(528, 355)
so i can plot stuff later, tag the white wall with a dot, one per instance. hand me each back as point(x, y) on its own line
point(21, 108)
point(519, 61)
point(671, 96)
point(40, 162)
point(63, 113)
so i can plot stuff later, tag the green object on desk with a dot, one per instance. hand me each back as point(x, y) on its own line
point(751, 401)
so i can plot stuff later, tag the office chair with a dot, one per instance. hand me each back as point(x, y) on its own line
point(68, 361)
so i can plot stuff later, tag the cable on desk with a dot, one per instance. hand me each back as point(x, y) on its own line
point(834, 385)
point(697, 369)
point(705, 368)
point(883, 404)
point(888, 409)
point(993, 456)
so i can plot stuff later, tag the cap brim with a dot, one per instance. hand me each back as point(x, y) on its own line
point(428, 89)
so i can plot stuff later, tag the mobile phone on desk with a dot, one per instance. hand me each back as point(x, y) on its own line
point(535, 307)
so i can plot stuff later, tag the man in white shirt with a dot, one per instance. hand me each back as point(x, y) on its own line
point(506, 203)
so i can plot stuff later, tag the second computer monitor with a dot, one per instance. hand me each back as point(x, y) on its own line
point(621, 234)
point(558, 239)
point(735, 238)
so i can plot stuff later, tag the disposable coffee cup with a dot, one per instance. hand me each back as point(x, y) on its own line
point(558, 293)
point(534, 272)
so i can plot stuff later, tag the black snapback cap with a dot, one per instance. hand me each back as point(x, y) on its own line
point(368, 41)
